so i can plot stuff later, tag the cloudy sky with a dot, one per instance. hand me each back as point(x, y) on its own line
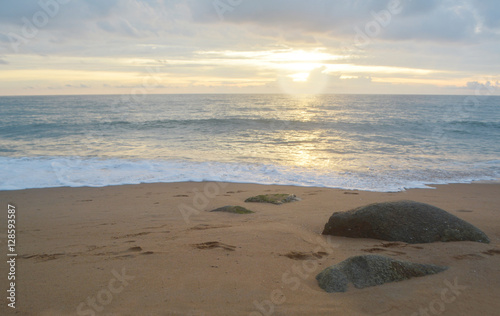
point(249, 46)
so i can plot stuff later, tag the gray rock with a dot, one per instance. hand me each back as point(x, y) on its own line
point(406, 221)
point(233, 209)
point(273, 198)
point(371, 270)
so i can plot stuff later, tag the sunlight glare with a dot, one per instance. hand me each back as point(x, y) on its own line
point(300, 77)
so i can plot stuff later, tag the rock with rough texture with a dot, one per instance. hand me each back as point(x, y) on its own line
point(273, 198)
point(233, 209)
point(406, 221)
point(371, 270)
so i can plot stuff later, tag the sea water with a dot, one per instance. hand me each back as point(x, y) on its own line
point(366, 142)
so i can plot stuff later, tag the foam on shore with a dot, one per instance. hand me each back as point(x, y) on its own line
point(44, 172)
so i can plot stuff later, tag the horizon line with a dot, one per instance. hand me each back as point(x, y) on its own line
point(235, 93)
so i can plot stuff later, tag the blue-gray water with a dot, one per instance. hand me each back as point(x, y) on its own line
point(370, 142)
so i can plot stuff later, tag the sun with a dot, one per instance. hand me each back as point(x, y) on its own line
point(298, 61)
point(300, 77)
point(297, 66)
point(296, 70)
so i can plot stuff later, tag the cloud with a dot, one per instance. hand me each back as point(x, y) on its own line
point(119, 26)
point(426, 19)
point(12, 12)
point(488, 12)
point(450, 23)
point(93, 24)
point(429, 19)
point(4, 38)
point(311, 16)
point(459, 40)
point(484, 87)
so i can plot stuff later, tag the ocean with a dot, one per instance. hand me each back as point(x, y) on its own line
point(367, 142)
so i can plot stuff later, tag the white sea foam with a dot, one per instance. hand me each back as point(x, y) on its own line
point(44, 172)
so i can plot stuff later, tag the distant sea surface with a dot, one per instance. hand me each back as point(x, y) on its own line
point(366, 142)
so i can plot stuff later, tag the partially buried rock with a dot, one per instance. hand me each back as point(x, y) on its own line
point(233, 209)
point(273, 198)
point(371, 270)
point(406, 221)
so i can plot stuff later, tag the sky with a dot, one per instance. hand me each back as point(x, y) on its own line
point(58, 47)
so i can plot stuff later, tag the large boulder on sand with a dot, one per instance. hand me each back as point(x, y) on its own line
point(371, 270)
point(406, 221)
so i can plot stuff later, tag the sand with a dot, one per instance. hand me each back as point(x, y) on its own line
point(154, 249)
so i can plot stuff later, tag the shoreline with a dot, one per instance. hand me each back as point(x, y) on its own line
point(51, 171)
point(73, 242)
point(430, 186)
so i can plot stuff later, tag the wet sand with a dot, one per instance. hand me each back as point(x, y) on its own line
point(154, 249)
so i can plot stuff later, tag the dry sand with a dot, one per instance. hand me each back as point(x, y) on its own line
point(153, 249)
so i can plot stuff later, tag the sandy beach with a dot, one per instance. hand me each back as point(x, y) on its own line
point(133, 133)
point(154, 249)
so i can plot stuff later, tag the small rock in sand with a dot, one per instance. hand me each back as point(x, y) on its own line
point(233, 209)
point(273, 198)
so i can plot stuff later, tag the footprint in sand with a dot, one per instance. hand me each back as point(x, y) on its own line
point(298, 255)
point(393, 245)
point(206, 226)
point(213, 245)
point(135, 249)
point(469, 256)
point(399, 245)
point(128, 253)
point(492, 252)
point(478, 256)
point(43, 257)
point(131, 235)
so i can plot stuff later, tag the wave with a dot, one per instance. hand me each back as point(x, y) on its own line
point(42, 172)
point(50, 130)
point(257, 123)
point(53, 129)
point(474, 123)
